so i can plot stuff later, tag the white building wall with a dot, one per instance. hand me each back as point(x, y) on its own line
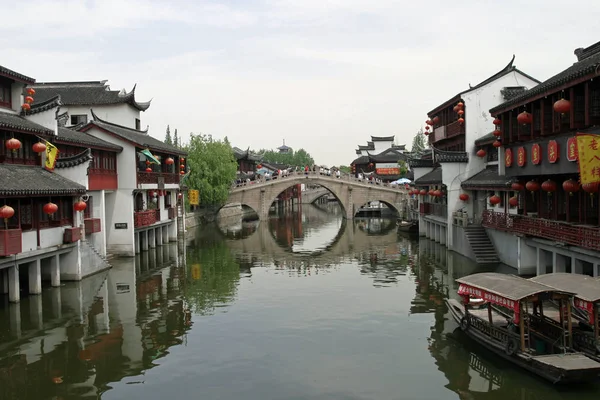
point(17, 96)
point(382, 146)
point(29, 240)
point(45, 118)
point(121, 114)
point(76, 174)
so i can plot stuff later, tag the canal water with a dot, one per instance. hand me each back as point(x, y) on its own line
point(303, 306)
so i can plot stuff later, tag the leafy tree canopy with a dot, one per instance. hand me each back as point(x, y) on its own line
point(419, 143)
point(176, 141)
point(299, 158)
point(403, 168)
point(168, 139)
point(345, 168)
point(212, 168)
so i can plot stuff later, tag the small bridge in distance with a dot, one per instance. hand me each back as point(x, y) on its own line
point(351, 192)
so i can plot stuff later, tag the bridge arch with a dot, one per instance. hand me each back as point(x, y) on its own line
point(351, 193)
point(388, 204)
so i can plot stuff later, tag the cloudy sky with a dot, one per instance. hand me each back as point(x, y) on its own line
point(322, 74)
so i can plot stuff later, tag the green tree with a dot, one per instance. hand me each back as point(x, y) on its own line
point(403, 168)
point(176, 141)
point(168, 139)
point(345, 168)
point(419, 143)
point(298, 158)
point(212, 168)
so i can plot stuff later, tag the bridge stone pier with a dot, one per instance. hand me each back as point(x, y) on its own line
point(349, 191)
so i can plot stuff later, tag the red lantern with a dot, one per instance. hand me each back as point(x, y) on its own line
point(570, 186)
point(29, 99)
point(591, 188)
point(50, 208)
point(148, 169)
point(426, 127)
point(423, 192)
point(259, 166)
point(182, 172)
point(549, 186)
point(426, 133)
point(497, 143)
point(429, 122)
point(437, 193)
point(455, 109)
point(513, 201)
point(431, 192)
point(169, 161)
point(532, 186)
point(562, 106)
point(494, 200)
point(497, 122)
point(460, 112)
point(524, 118)
point(80, 205)
point(497, 133)
point(182, 166)
point(26, 107)
point(481, 153)
point(181, 159)
point(460, 105)
point(30, 91)
point(436, 120)
point(461, 120)
point(7, 212)
point(464, 197)
point(517, 186)
point(39, 147)
point(13, 144)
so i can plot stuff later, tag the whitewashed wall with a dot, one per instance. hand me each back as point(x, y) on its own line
point(121, 114)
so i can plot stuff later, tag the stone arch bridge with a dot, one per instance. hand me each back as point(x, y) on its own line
point(349, 191)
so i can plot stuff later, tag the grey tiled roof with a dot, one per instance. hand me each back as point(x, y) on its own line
point(588, 64)
point(487, 179)
point(9, 73)
point(488, 138)
point(389, 155)
point(420, 163)
point(74, 160)
point(432, 178)
point(24, 180)
point(66, 135)
point(38, 107)
point(241, 154)
point(361, 160)
point(86, 93)
point(451, 156)
point(140, 138)
point(15, 122)
point(382, 138)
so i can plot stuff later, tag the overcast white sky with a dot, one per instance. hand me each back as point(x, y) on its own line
point(322, 74)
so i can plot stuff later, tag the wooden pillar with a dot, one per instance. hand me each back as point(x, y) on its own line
point(595, 311)
point(522, 326)
point(570, 324)
point(586, 108)
point(490, 313)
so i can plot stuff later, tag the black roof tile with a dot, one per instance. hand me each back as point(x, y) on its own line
point(588, 64)
point(451, 156)
point(382, 138)
point(389, 155)
point(241, 154)
point(431, 178)
point(15, 122)
point(9, 73)
point(86, 93)
point(38, 107)
point(140, 138)
point(66, 135)
point(486, 139)
point(21, 180)
point(487, 179)
point(74, 160)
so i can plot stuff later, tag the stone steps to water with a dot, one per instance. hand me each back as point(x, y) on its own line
point(482, 246)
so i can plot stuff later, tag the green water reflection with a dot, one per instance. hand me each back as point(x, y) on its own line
point(306, 306)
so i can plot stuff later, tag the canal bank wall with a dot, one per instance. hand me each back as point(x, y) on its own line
point(229, 214)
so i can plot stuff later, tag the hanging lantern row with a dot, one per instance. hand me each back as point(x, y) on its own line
point(532, 186)
point(549, 186)
point(570, 186)
point(497, 132)
point(28, 100)
point(181, 166)
point(517, 186)
point(13, 144)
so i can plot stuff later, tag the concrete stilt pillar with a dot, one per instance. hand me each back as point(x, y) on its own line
point(165, 234)
point(159, 238)
point(14, 290)
point(35, 312)
point(144, 240)
point(136, 239)
point(55, 271)
point(3, 281)
point(14, 319)
point(152, 238)
point(35, 277)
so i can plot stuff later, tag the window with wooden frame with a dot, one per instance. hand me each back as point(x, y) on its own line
point(88, 212)
point(5, 93)
point(168, 200)
point(25, 155)
point(79, 119)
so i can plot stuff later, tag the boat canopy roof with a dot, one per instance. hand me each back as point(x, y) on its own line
point(507, 286)
point(583, 286)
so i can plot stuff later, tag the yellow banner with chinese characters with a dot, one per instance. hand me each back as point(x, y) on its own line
point(588, 147)
point(194, 197)
point(196, 272)
point(51, 156)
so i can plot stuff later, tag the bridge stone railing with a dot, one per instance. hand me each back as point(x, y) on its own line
point(295, 174)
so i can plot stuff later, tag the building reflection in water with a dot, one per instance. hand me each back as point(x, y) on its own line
point(471, 372)
point(76, 339)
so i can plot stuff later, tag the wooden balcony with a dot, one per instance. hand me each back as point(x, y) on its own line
point(10, 242)
point(71, 235)
point(92, 225)
point(455, 129)
point(101, 179)
point(436, 209)
point(585, 236)
point(145, 218)
point(156, 177)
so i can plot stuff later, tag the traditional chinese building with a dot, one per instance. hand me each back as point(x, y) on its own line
point(379, 158)
point(455, 127)
point(549, 220)
point(247, 162)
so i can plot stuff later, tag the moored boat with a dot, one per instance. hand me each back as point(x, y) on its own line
point(507, 327)
point(407, 226)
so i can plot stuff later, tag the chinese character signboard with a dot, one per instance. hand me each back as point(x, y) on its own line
point(387, 169)
point(588, 148)
point(194, 197)
point(508, 157)
point(536, 154)
point(572, 149)
point(51, 156)
point(552, 151)
point(521, 157)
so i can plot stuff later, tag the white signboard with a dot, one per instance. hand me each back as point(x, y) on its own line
point(386, 165)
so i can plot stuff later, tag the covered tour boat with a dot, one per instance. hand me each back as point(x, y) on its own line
point(586, 302)
point(506, 320)
point(407, 226)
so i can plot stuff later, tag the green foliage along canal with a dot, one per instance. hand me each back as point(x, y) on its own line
point(306, 306)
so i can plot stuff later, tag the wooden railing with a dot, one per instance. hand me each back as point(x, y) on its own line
point(153, 177)
point(439, 210)
point(455, 129)
point(10, 242)
point(145, 218)
point(587, 237)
